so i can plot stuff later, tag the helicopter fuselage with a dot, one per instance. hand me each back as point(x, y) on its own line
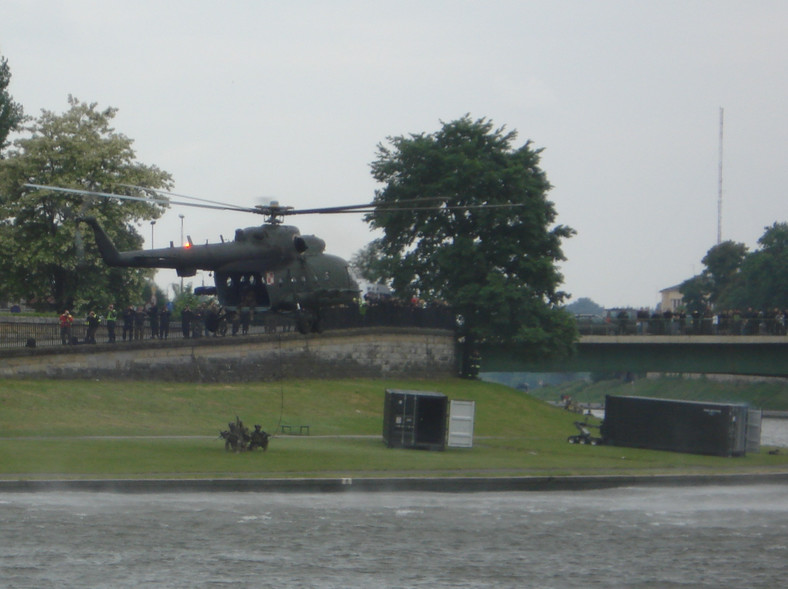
point(269, 267)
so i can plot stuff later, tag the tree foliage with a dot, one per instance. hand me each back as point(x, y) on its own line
point(47, 260)
point(737, 279)
point(763, 279)
point(466, 221)
point(722, 265)
point(695, 293)
point(11, 113)
point(371, 264)
point(585, 306)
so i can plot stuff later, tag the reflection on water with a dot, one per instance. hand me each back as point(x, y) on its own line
point(633, 537)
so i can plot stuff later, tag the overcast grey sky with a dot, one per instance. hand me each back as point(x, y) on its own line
point(242, 99)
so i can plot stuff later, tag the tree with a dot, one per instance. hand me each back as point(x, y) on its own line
point(737, 279)
point(47, 260)
point(723, 262)
point(466, 221)
point(370, 263)
point(11, 113)
point(184, 298)
point(763, 279)
point(585, 306)
point(695, 293)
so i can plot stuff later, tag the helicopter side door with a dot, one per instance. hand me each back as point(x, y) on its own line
point(244, 289)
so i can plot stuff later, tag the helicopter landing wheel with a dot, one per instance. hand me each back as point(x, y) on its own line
point(307, 322)
point(303, 323)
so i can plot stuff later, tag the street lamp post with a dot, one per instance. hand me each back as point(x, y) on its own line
point(152, 223)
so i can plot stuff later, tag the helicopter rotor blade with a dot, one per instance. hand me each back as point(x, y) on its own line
point(195, 198)
point(390, 207)
point(159, 201)
point(275, 211)
point(360, 208)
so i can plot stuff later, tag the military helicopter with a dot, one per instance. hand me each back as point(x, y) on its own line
point(271, 267)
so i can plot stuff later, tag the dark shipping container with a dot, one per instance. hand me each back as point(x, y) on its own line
point(414, 419)
point(695, 427)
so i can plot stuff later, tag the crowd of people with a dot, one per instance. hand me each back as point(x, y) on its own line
point(723, 322)
point(152, 321)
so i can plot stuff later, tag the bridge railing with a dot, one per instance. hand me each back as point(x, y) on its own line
point(735, 326)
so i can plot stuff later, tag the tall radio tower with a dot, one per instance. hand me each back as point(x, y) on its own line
point(719, 184)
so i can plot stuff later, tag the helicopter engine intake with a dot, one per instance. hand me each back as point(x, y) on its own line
point(315, 245)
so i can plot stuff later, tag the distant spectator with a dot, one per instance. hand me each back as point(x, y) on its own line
point(164, 321)
point(112, 318)
point(93, 325)
point(66, 320)
point(128, 323)
point(186, 320)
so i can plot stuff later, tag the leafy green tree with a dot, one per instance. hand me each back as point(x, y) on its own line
point(466, 221)
point(585, 306)
point(153, 292)
point(763, 280)
point(184, 298)
point(737, 279)
point(11, 113)
point(370, 264)
point(723, 263)
point(47, 260)
point(695, 293)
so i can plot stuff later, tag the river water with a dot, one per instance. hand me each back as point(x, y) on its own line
point(629, 537)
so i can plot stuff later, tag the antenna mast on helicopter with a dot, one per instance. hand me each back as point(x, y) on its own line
point(719, 184)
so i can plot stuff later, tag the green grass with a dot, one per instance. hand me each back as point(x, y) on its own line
point(771, 394)
point(96, 429)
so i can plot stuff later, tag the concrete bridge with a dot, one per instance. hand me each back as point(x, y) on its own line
point(764, 355)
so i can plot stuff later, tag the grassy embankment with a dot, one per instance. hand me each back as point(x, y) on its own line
point(91, 429)
point(769, 394)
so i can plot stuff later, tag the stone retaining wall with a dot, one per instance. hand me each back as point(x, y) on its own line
point(373, 352)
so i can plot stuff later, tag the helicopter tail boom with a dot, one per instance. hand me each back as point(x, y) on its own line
point(161, 258)
point(109, 253)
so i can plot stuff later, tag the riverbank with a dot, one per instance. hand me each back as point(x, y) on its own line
point(371, 485)
point(84, 431)
point(768, 394)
